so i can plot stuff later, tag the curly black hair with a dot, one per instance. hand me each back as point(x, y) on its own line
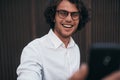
point(50, 12)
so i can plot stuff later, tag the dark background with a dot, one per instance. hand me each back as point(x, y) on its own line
point(21, 21)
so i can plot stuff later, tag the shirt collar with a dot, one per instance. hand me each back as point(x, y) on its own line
point(57, 42)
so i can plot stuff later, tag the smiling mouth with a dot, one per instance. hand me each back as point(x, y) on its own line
point(67, 26)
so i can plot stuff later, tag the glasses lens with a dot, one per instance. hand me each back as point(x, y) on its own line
point(75, 15)
point(62, 13)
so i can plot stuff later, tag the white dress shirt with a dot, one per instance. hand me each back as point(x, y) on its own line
point(47, 58)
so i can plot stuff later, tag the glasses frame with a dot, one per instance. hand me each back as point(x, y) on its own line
point(63, 14)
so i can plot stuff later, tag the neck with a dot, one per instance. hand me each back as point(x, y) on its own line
point(65, 41)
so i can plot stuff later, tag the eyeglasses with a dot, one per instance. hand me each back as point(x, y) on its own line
point(63, 14)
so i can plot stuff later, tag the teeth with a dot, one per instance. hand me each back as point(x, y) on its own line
point(67, 26)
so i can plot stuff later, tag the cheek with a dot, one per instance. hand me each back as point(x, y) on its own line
point(57, 21)
point(76, 23)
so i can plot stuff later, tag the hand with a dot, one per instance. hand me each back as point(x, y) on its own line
point(80, 74)
point(114, 76)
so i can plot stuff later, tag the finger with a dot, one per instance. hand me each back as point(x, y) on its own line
point(114, 76)
point(84, 70)
point(80, 74)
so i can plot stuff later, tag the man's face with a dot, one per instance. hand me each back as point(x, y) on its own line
point(66, 19)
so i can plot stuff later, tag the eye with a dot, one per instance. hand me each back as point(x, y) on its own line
point(63, 13)
point(75, 14)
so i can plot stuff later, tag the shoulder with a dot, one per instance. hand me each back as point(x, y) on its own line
point(36, 44)
point(37, 41)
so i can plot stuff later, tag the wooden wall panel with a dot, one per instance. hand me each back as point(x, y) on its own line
point(42, 27)
point(106, 21)
point(15, 33)
point(22, 20)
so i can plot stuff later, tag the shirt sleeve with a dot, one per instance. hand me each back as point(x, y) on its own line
point(30, 67)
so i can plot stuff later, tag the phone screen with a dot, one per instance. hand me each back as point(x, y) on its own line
point(103, 60)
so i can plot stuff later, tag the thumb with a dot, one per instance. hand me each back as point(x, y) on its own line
point(80, 74)
point(84, 70)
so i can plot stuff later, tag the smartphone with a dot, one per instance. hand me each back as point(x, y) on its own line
point(104, 58)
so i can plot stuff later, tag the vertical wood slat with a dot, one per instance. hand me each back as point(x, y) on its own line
point(105, 21)
point(15, 27)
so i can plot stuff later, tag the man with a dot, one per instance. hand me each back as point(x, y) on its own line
point(56, 56)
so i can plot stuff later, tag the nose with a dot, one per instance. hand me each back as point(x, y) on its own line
point(68, 18)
